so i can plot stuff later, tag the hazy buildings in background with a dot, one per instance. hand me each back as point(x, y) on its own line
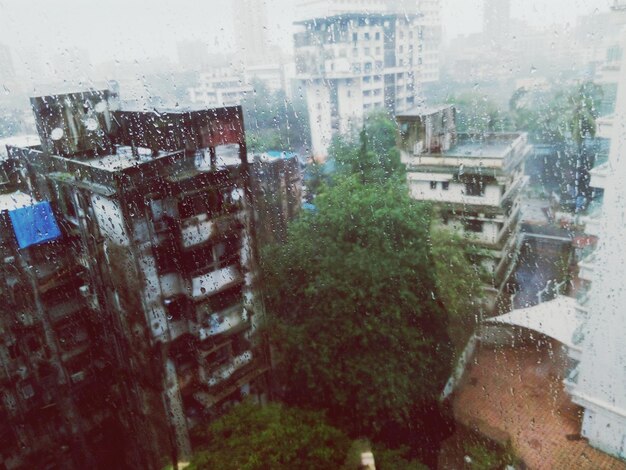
point(193, 54)
point(510, 53)
point(356, 56)
point(497, 21)
point(220, 87)
point(7, 69)
point(251, 39)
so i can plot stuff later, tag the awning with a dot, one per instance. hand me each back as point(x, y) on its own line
point(556, 318)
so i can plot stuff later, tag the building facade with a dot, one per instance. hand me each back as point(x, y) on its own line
point(56, 387)
point(159, 205)
point(356, 56)
point(475, 180)
point(597, 381)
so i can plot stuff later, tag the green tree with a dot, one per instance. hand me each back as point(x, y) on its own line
point(353, 299)
point(459, 284)
point(253, 437)
point(370, 153)
point(558, 116)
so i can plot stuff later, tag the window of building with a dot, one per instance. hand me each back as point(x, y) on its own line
point(177, 308)
point(475, 187)
point(472, 225)
point(366, 36)
point(377, 36)
point(433, 185)
point(445, 185)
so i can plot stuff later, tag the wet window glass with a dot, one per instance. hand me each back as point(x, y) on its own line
point(312, 234)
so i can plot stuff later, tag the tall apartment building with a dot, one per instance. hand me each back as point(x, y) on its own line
point(56, 376)
point(597, 381)
point(353, 56)
point(475, 180)
point(158, 206)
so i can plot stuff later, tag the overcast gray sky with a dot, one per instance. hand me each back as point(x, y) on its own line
point(134, 29)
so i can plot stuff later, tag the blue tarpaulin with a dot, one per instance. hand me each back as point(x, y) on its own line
point(34, 224)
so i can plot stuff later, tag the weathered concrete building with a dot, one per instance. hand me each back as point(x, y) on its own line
point(475, 180)
point(160, 207)
point(55, 369)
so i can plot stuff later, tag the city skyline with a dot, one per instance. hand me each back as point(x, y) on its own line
point(109, 35)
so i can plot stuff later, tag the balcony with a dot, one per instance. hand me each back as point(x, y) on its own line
point(599, 175)
point(64, 309)
point(196, 230)
point(225, 321)
point(200, 229)
point(227, 370)
point(604, 127)
point(215, 281)
point(571, 381)
point(586, 268)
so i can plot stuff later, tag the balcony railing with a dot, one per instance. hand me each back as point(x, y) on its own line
point(215, 281)
point(227, 370)
point(223, 322)
point(65, 309)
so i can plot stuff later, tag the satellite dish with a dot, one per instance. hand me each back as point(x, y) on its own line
point(91, 124)
point(56, 134)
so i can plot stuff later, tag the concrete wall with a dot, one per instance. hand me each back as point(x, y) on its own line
point(419, 184)
point(318, 102)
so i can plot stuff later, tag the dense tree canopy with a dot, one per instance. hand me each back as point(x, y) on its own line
point(557, 116)
point(276, 437)
point(251, 437)
point(459, 284)
point(355, 303)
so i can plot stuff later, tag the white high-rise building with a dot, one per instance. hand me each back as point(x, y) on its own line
point(598, 381)
point(354, 56)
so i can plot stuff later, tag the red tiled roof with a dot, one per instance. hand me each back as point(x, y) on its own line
point(518, 393)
